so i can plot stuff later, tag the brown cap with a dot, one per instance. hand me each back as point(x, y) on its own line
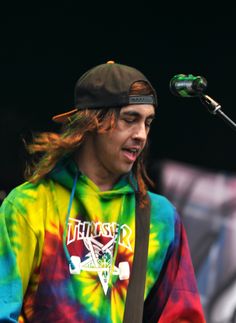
point(107, 85)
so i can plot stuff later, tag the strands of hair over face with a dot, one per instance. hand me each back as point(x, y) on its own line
point(47, 148)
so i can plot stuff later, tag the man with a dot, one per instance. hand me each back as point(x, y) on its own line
point(68, 235)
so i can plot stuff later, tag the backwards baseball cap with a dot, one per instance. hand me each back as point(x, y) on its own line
point(105, 86)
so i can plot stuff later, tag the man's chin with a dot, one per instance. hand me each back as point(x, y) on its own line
point(125, 171)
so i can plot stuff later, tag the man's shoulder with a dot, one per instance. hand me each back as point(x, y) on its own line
point(158, 200)
point(29, 191)
point(161, 206)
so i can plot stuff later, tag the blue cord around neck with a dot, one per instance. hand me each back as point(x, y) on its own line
point(67, 220)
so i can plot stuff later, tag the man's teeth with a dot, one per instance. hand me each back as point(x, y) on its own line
point(133, 150)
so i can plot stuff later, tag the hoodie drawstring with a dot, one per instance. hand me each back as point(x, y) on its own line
point(68, 257)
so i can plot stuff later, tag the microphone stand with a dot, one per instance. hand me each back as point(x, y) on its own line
point(215, 108)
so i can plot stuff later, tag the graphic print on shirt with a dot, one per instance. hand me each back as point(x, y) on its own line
point(101, 241)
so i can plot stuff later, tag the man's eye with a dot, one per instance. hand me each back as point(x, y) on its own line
point(148, 124)
point(129, 120)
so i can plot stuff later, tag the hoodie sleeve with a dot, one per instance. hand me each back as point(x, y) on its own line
point(174, 298)
point(17, 241)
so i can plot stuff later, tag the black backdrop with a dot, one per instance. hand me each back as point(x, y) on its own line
point(45, 49)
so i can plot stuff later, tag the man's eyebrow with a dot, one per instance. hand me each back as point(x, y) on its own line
point(137, 114)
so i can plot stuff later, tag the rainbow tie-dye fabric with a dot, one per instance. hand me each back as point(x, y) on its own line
point(37, 284)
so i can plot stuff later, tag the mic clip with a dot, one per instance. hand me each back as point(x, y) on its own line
point(215, 108)
point(211, 104)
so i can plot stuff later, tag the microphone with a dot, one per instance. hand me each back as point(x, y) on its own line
point(187, 85)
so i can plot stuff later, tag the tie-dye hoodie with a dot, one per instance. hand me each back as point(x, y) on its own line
point(41, 231)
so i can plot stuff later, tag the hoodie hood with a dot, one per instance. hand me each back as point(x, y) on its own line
point(66, 170)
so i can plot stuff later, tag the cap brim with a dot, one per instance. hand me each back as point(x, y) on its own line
point(64, 117)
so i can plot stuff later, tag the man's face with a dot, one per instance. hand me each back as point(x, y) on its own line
point(115, 151)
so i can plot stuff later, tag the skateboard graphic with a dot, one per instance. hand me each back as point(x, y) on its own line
point(100, 259)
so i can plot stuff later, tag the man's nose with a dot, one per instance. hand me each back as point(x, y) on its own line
point(140, 132)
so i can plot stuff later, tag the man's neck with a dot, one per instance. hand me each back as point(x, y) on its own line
point(103, 179)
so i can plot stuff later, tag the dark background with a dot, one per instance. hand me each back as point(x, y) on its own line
point(45, 49)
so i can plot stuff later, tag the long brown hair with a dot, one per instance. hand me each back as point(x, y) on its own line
point(50, 147)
